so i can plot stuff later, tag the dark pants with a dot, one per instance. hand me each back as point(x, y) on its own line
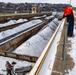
point(71, 26)
point(9, 72)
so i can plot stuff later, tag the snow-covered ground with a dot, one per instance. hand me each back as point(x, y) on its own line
point(19, 63)
point(72, 53)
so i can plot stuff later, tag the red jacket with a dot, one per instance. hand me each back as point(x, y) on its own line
point(8, 66)
point(68, 11)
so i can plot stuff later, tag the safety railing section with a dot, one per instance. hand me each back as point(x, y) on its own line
point(64, 47)
point(41, 59)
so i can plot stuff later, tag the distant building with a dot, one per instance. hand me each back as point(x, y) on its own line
point(36, 9)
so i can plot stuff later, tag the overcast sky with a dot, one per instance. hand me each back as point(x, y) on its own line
point(73, 2)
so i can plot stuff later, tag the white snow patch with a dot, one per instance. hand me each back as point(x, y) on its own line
point(21, 20)
point(39, 17)
point(11, 22)
point(8, 23)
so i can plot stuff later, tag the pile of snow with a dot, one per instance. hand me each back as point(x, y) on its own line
point(44, 16)
point(25, 20)
point(19, 63)
point(8, 23)
point(5, 33)
point(72, 53)
point(32, 47)
point(35, 45)
point(54, 13)
point(21, 20)
point(39, 17)
point(11, 22)
point(36, 17)
point(20, 28)
point(49, 17)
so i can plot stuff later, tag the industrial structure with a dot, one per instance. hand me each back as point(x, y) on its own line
point(38, 41)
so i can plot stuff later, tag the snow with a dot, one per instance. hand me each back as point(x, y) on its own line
point(46, 33)
point(32, 47)
point(52, 25)
point(11, 22)
point(8, 23)
point(49, 61)
point(56, 21)
point(35, 45)
point(49, 17)
point(5, 34)
point(36, 17)
point(19, 63)
point(21, 20)
point(72, 53)
point(17, 29)
point(25, 19)
point(44, 16)
point(54, 13)
point(1, 37)
point(39, 17)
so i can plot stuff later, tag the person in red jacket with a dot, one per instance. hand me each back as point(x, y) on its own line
point(68, 13)
point(8, 68)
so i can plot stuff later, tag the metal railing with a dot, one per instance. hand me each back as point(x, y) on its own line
point(64, 48)
point(45, 52)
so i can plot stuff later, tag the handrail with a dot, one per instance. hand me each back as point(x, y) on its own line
point(41, 59)
point(64, 48)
